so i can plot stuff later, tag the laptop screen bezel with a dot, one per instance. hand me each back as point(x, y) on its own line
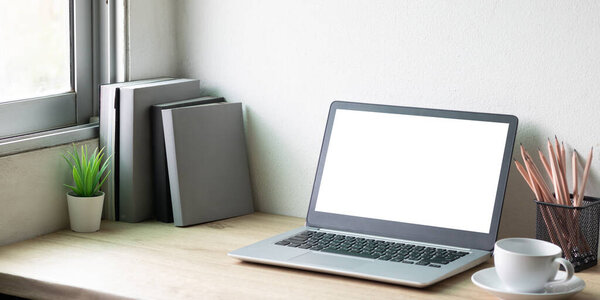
point(408, 231)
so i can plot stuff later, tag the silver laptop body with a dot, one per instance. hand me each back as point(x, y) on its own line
point(401, 195)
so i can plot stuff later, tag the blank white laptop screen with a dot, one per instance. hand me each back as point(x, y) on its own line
point(421, 170)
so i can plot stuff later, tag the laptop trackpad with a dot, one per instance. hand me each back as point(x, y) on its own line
point(326, 260)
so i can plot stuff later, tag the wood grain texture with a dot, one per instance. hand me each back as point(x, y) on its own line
point(153, 260)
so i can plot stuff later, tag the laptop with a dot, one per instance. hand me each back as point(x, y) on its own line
point(402, 195)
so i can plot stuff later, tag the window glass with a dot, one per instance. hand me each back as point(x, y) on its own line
point(35, 53)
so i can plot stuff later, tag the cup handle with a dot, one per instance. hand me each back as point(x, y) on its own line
point(568, 267)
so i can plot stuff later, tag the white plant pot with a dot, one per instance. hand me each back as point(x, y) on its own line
point(85, 212)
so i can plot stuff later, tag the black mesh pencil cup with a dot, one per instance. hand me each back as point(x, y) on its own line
point(574, 229)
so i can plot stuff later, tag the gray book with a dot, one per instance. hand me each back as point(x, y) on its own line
point(163, 210)
point(135, 142)
point(109, 94)
point(207, 163)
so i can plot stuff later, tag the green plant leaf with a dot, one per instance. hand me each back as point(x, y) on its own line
point(102, 170)
point(87, 170)
point(74, 160)
point(102, 182)
point(73, 189)
point(78, 183)
point(89, 177)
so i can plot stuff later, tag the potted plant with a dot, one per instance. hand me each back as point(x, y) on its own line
point(85, 198)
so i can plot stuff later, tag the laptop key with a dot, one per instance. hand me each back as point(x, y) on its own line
point(439, 261)
point(374, 249)
point(295, 239)
point(451, 257)
point(360, 254)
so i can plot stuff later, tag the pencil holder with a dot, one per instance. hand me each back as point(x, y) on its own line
point(574, 229)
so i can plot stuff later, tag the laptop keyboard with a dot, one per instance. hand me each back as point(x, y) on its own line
point(371, 248)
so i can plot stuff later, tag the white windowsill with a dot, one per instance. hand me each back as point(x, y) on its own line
point(47, 139)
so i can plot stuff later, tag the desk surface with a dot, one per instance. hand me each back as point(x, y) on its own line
point(154, 260)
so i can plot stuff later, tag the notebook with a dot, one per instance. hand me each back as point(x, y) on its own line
point(135, 161)
point(163, 210)
point(109, 140)
point(207, 162)
point(402, 195)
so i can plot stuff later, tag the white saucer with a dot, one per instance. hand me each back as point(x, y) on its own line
point(488, 279)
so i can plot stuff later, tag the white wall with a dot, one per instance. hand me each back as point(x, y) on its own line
point(32, 196)
point(287, 60)
point(152, 46)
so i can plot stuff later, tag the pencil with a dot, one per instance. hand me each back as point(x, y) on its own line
point(563, 158)
point(586, 172)
point(553, 232)
point(542, 192)
point(545, 163)
point(558, 153)
point(574, 165)
point(554, 167)
point(536, 172)
point(562, 170)
point(524, 174)
point(522, 152)
point(537, 179)
point(563, 173)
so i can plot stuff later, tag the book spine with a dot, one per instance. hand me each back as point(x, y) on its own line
point(162, 197)
point(169, 134)
point(107, 140)
point(126, 131)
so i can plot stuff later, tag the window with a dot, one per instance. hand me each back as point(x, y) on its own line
point(45, 65)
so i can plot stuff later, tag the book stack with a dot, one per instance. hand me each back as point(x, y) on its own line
point(148, 181)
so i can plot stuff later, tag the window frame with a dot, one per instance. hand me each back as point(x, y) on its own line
point(38, 114)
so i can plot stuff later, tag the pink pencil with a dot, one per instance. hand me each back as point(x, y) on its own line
point(574, 163)
point(586, 172)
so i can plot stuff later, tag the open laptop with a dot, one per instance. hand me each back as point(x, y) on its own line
point(401, 195)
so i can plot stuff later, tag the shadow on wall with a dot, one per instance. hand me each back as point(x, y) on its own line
point(518, 212)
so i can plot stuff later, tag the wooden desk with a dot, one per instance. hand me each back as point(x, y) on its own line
point(153, 260)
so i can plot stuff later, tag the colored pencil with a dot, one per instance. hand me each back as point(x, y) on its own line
point(586, 172)
point(574, 165)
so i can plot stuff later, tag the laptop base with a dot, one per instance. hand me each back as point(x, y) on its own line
point(267, 252)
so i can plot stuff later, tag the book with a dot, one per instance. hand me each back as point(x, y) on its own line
point(109, 94)
point(135, 156)
point(163, 210)
point(207, 162)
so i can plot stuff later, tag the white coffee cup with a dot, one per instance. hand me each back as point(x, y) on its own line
point(527, 265)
